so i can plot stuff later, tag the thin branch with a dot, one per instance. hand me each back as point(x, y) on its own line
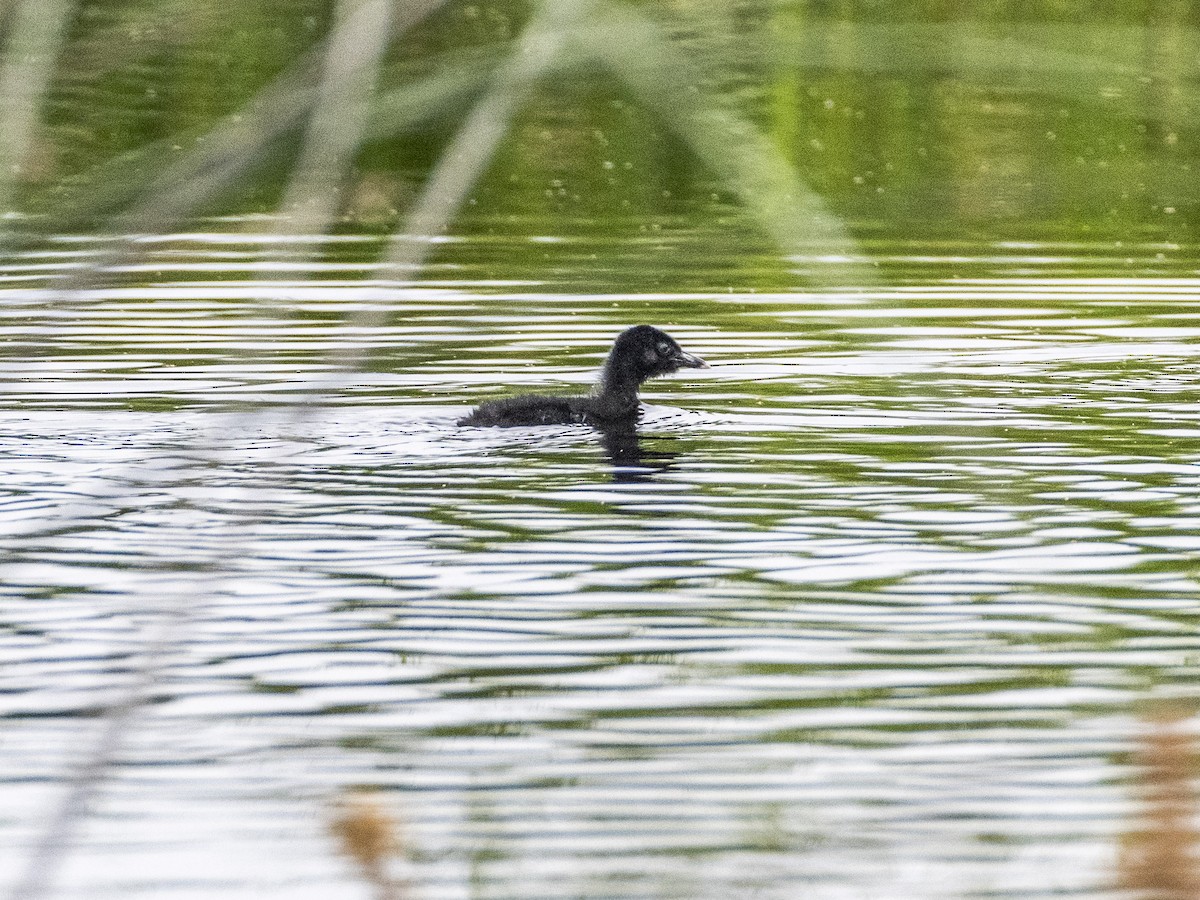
point(38, 30)
point(640, 53)
point(338, 123)
point(58, 837)
point(461, 163)
point(465, 159)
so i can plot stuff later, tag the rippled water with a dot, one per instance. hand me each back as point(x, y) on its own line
point(866, 613)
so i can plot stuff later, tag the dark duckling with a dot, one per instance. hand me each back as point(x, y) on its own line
point(638, 353)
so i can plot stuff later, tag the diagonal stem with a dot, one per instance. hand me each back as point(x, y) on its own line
point(36, 36)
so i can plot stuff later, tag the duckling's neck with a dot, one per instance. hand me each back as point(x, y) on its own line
point(617, 391)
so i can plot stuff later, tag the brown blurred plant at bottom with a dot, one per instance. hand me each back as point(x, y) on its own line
point(1160, 858)
point(371, 837)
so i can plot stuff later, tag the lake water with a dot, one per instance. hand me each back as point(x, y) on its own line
point(869, 611)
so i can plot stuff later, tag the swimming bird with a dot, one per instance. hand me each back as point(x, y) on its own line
point(638, 353)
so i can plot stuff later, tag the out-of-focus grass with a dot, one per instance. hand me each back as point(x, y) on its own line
point(1160, 855)
point(298, 128)
point(367, 834)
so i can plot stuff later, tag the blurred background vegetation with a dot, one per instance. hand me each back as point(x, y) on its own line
point(820, 124)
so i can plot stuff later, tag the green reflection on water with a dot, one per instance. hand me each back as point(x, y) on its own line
point(904, 120)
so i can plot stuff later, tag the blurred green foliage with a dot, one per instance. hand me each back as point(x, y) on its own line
point(1003, 119)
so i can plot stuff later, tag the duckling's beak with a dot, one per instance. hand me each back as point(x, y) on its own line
point(687, 361)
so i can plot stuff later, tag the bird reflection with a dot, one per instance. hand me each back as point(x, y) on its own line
point(631, 461)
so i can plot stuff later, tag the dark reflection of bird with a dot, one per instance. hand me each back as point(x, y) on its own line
point(638, 353)
point(631, 461)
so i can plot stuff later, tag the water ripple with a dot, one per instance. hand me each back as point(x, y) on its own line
point(872, 601)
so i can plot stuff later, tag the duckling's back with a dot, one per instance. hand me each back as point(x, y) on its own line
point(530, 409)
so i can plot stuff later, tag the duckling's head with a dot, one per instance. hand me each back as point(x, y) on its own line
point(645, 352)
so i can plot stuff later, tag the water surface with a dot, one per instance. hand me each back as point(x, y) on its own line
point(866, 612)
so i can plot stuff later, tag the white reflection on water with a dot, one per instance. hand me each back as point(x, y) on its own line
point(864, 613)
